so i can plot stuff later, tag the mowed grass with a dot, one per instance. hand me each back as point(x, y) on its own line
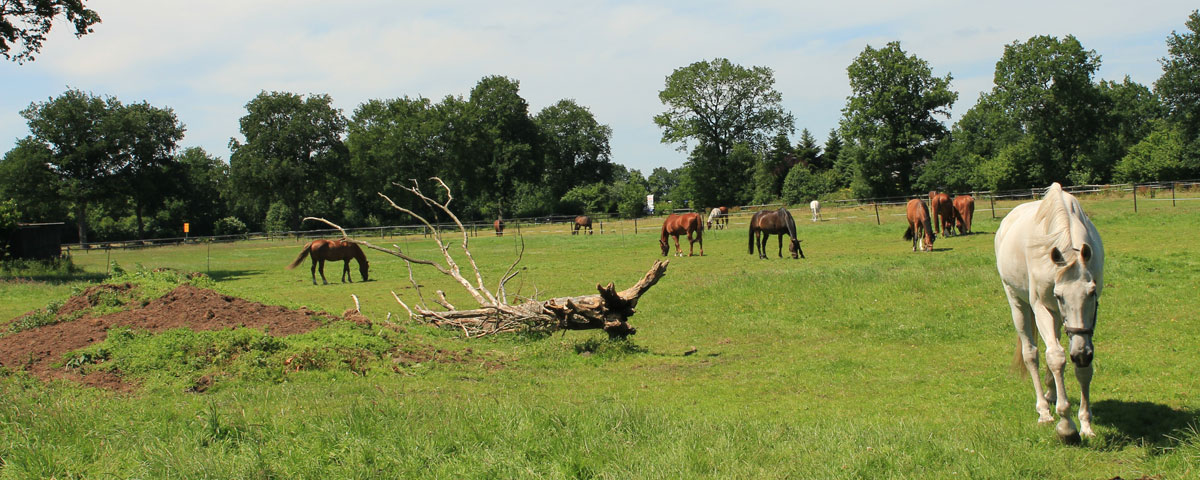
point(864, 360)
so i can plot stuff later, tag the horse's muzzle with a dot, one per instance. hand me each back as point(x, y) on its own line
point(1082, 359)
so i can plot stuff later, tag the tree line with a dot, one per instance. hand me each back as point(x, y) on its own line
point(1046, 119)
point(116, 170)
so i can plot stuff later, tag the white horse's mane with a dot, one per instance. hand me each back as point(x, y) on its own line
point(1054, 217)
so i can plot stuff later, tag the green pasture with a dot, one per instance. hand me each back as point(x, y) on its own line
point(864, 360)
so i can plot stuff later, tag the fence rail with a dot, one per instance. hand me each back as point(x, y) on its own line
point(847, 209)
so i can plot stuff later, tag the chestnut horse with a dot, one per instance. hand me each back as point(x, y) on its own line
point(721, 216)
point(323, 250)
point(919, 229)
point(499, 226)
point(676, 225)
point(964, 210)
point(942, 213)
point(778, 222)
point(582, 221)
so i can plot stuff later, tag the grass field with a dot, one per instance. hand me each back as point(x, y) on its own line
point(864, 360)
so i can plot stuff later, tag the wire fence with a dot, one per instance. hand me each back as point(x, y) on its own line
point(1142, 196)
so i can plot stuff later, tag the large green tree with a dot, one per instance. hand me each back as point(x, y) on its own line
point(1044, 86)
point(148, 136)
point(391, 142)
point(890, 122)
point(24, 24)
point(1179, 85)
point(575, 147)
point(292, 158)
point(27, 179)
point(721, 104)
point(509, 147)
point(83, 133)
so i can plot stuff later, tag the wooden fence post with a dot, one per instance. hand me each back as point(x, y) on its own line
point(877, 222)
point(1135, 198)
point(1173, 193)
point(992, 198)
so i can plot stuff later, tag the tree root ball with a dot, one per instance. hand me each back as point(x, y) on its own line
point(1067, 433)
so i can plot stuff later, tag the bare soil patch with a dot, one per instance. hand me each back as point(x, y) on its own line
point(36, 350)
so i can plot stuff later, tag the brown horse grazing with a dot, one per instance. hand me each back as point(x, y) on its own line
point(778, 222)
point(919, 229)
point(499, 226)
point(964, 210)
point(942, 213)
point(582, 221)
point(676, 225)
point(323, 250)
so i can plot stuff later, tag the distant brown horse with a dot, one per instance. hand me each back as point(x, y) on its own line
point(499, 226)
point(322, 250)
point(779, 222)
point(941, 212)
point(582, 221)
point(676, 225)
point(919, 229)
point(964, 210)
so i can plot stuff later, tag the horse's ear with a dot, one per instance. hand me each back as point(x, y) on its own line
point(1086, 252)
point(1057, 257)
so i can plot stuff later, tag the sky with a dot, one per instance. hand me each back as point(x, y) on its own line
point(206, 60)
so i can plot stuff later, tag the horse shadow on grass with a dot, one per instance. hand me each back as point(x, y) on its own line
point(1154, 425)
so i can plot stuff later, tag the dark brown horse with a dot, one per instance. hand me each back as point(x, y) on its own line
point(964, 210)
point(920, 231)
point(942, 213)
point(676, 225)
point(322, 250)
point(779, 222)
point(499, 226)
point(582, 221)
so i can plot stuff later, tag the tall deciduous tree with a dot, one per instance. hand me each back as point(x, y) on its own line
point(890, 122)
point(1044, 85)
point(293, 152)
point(148, 137)
point(1179, 85)
point(721, 104)
point(26, 178)
point(83, 134)
point(575, 146)
point(393, 141)
point(509, 141)
point(24, 24)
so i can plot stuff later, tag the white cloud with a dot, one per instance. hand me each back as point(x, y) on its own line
point(207, 59)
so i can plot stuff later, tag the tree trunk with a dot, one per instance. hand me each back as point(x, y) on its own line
point(81, 220)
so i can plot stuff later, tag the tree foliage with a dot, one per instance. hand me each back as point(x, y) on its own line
point(24, 24)
point(1179, 85)
point(720, 104)
point(292, 153)
point(890, 122)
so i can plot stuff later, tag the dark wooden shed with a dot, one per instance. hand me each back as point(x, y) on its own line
point(37, 240)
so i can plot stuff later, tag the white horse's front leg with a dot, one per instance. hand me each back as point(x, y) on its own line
point(1084, 375)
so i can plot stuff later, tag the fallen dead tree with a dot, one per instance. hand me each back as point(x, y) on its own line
point(608, 309)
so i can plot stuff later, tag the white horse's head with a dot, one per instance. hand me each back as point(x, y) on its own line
point(1077, 294)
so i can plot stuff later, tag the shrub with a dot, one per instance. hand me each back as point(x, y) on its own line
point(229, 226)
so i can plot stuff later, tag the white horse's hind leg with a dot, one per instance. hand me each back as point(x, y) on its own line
point(1084, 375)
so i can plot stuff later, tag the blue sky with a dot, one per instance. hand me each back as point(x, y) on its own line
point(205, 60)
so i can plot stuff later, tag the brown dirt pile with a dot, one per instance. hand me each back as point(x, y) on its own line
point(187, 306)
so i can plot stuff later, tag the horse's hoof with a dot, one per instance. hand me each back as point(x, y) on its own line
point(1067, 433)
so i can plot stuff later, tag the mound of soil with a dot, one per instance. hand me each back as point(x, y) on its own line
point(37, 349)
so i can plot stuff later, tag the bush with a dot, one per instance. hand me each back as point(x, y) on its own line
point(1159, 156)
point(802, 185)
point(229, 226)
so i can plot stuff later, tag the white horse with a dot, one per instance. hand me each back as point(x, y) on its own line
point(1051, 262)
point(815, 206)
point(720, 218)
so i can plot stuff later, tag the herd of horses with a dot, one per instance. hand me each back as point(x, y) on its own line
point(1048, 254)
point(925, 223)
